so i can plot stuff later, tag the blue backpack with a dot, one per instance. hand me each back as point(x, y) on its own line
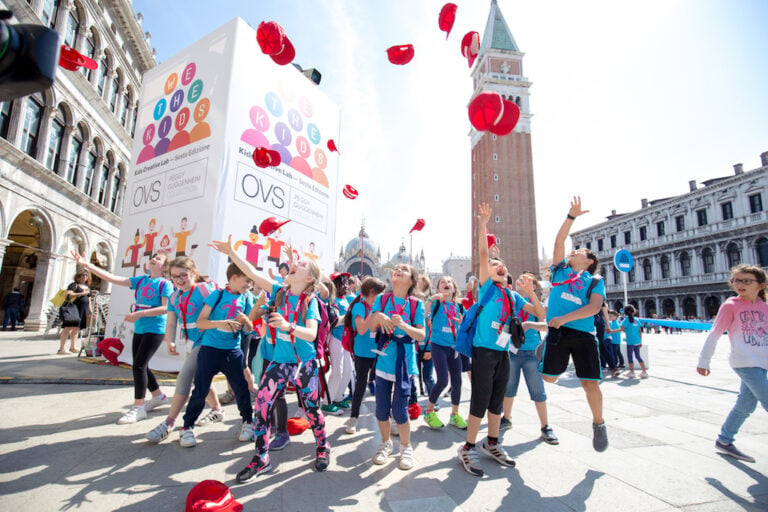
point(468, 324)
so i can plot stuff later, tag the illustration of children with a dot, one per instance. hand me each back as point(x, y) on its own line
point(134, 250)
point(149, 237)
point(252, 248)
point(181, 238)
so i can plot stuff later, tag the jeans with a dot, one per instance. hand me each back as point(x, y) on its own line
point(617, 354)
point(12, 316)
point(754, 389)
point(525, 362)
point(607, 357)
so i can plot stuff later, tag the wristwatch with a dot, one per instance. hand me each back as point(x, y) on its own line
point(291, 328)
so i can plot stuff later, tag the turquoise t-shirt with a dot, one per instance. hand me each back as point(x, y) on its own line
point(343, 306)
point(532, 336)
point(187, 307)
point(446, 317)
point(282, 350)
point(364, 343)
point(615, 336)
point(229, 305)
point(632, 331)
point(493, 316)
point(149, 293)
point(386, 364)
point(566, 298)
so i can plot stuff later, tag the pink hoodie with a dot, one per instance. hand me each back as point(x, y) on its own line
point(747, 326)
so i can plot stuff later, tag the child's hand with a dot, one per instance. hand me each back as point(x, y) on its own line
point(398, 321)
point(484, 213)
point(222, 246)
point(242, 318)
point(576, 210)
point(526, 283)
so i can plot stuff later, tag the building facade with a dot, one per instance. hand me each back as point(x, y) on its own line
point(502, 166)
point(64, 153)
point(684, 247)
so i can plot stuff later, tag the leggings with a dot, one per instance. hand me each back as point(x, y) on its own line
point(447, 362)
point(272, 383)
point(143, 348)
point(634, 350)
point(363, 366)
point(279, 416)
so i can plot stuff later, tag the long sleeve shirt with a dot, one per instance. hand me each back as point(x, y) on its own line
point(747, 326)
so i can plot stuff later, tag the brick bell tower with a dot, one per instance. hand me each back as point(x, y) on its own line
point(502, 167)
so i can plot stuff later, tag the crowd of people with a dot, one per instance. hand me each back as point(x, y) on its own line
point(393, 341)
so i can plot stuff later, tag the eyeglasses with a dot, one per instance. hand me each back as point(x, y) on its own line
point(743, 281)
point(179, 277)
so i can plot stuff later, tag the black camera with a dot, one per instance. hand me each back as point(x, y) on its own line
point(29, 55)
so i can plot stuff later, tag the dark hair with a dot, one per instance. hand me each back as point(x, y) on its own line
point(233, 270)
point(613, 312)
point(370, 285)
point(629, 310)
point(595, 261)
point(283, 265)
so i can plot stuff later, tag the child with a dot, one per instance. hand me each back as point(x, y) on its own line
point(226, 316)
point(152, 293)
point(341, 360)
point(401, 316)
point(364, 344)
point(575, 298)
point(292, 328)
point(490, 359)
point(524, 359)
point(424, 357)
point(745, 317)
point(634, 334)
point(185, 305)
point(615, 332)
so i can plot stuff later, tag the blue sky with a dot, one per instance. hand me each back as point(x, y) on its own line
point(630, 101)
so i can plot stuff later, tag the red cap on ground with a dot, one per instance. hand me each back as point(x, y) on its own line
point(414, 411)
point(297, 425)
point(110, 348)
point(212, 496)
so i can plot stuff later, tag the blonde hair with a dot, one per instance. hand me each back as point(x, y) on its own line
point(759, 274)
point(187, 264)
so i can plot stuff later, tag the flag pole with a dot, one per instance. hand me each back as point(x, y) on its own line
point(411, 250)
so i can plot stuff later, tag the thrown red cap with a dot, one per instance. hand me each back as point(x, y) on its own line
point(270, 225)
point(470, 46)
point(447, 18)
point(332, 146)
point(418, 226)
point(271, 37)
point(71, 59)
point(491, 239)
point(509, 117)
point(400, 54)
point(337, 275)
point(486, 110)
point(297, 425)
point(286, 55)
point(349, 192)
point(210, 496)
point(110, 348)
point(264, 157)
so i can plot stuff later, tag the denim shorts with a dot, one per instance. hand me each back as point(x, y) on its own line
point(525, 362)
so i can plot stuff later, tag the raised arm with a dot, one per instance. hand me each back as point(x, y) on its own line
point(103, 274)
point(484, 214)
point(558, 252)
point(259, 279)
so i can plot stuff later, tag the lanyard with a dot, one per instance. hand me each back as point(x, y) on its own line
point(574, 277)
point(183, 310)
point(399, 310)
point(287, 312)
point(506, 311)
point(451, 315)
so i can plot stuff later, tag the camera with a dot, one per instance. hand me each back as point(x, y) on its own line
point(29, 55)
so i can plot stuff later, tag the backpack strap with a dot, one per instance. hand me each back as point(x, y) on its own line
point(594, 282)
point(218, 300)
point(434, 311)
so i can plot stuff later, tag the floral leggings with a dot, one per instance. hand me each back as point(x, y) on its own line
point(274, 380)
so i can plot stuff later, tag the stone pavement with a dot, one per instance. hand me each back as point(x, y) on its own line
point(60, 448)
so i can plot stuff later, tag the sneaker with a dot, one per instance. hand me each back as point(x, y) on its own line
point(599, 437)
point(226, 398)
point(615, 373)
point(322, 459)
point(157, 401)
point(346, 403)
point(496, 453)
point(158, 433)
point(281, 440)
point(187, 437)
point(213, 416)
point(730, 449)
point(393, 431)
point(470, 461)
point(342, 405)
point(246, 432)
point(383, 453)
point(643, 374)
point(256, 467)
point(406, 457)
point(631, 375)
point(433, 421)
point(458, 422)
point(505, 424)
point(132, 416)
point(548, 435)
point(332, 409)
point(350, 427)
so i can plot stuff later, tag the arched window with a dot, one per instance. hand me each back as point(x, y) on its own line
point(647, 270)
point(734, 255)
point(127, 98)
point(33, 113)
point(631, 275)
point(616, 277)
point(708, 260)
point(133, 121)
point(101, 79)
point(114, 93)
point(762, 251)
point(5, 118)
point(115, 191)
point(55, 140)
point(50, 12)
point(74, 155)
point(73, 27)
point(89, 50)
point(90, 171)
point(685, 264)
point(103, 177)
point(664, 267)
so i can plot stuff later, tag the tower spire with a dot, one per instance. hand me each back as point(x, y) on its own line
point(497, 34)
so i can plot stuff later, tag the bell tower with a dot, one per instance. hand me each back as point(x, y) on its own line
point(502, 166)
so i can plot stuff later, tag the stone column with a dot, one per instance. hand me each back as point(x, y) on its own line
point(108, 84)
point(4, 243)
point(81, 166)
point(44, 133)
point(97, 183)
point(97, 56)
point(18, 111)
point(110, 184)
point(61, 20)
point(64, 151)
point(37, 320)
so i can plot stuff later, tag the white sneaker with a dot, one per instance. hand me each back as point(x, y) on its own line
point(187, 437)
point(351, 426)
point(631, 375)
point(213, 416)
point(132, 416)
point(157, 401)
point(158, 433)
point(406, 457)
point(383, 453)
point(246, 432)
point(643, 374)
point(393, 429)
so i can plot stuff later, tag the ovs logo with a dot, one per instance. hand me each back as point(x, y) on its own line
point(173, 112)
point(286, 126)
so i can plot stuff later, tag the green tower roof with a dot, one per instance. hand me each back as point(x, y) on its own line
point(497, 34)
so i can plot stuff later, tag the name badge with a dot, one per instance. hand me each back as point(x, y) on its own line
point(504, 337)
point(570, 298)
point(447, 330)
point(513, 348)
point(283, 336)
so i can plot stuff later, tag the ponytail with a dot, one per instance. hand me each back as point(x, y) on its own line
point(630, 311)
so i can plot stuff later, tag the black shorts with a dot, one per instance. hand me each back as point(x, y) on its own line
point(490, 373)
point(564, 343)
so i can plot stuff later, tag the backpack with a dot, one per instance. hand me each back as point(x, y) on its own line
point(348, 337)
point(382, 338)
point(323, 325)
point(468, 326)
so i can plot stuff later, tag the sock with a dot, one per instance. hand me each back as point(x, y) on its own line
point(493, 440)
point(468, 445)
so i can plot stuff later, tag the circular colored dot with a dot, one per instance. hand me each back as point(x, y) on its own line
point(320, 158)
point(170, 83)
point(295, 120)
point(259, 119)
point(302, 146)
point(274, 105)
point(165, 127)
point(283, 134)
point(149, 134)
point(195, 90)
point(182, 118)
point(313, 133)
point(177, 100)
point(201, 109)
point(160, 109)
point(305, 106)
point(188, 74)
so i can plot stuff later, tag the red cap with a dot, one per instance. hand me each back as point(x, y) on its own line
point(418, 226)
point(110, 348)
point(400, 54)
point(491, 239)
point(71, 59)
point(264, 157)
point(332, 146)
point(414, 411)
point(270, 225)
point(286, 55)
point(470, 46)
point(509, 116)
point(486, 110)
point(337, 275)
point(349, 192)
point(297, 425)
point(447, 18)
point(270, 37)
point(210, 496)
